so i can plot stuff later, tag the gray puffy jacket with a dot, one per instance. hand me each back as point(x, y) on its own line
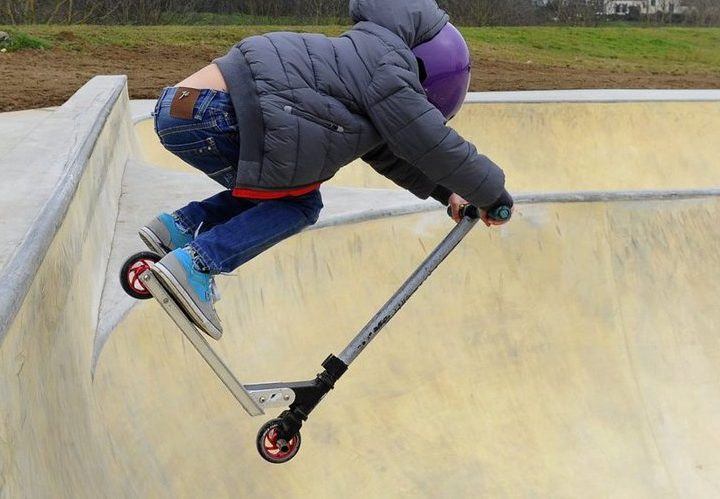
point(308, 104)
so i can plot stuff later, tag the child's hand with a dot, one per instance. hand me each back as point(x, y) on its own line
point(457, 203)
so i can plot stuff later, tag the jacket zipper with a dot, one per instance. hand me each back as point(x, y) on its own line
point(311, 117)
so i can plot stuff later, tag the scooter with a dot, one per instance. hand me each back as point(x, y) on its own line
point(278, 440)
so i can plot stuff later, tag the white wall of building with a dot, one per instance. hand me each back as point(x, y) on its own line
point(622, 7)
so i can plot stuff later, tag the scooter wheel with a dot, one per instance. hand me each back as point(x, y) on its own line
point(131, 271)
point(274, 449)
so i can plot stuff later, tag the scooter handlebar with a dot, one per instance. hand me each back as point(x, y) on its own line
point(500, 213)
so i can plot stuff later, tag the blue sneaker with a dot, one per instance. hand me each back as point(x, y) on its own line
point(192, 289)
point(162, 235)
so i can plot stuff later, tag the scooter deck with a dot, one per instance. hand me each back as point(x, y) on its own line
point(197, 338)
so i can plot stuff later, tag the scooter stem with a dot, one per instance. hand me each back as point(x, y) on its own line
point(401, 296)
point(286, 428)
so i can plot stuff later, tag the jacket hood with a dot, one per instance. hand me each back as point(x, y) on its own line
point(415, 21)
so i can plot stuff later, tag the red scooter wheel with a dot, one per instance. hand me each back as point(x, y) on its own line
point(274, 449)
point(131, 271)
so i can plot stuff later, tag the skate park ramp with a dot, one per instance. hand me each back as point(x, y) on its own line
point(570, 353)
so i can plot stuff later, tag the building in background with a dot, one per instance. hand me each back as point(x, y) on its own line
point(644, 7)
point(614, 8)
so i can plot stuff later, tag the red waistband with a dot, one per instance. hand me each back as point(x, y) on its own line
point(265, 195)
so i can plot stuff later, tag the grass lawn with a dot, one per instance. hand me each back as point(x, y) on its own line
point(625, 48)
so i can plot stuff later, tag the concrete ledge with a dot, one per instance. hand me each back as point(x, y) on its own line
point(45, 170)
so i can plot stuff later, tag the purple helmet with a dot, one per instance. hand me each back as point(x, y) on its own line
point(445, 70)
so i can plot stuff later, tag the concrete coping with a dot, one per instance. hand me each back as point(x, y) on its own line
point(48, 166)
point(614, 196)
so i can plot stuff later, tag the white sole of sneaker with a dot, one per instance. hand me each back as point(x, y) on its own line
point(152, 241)
point(173, 287)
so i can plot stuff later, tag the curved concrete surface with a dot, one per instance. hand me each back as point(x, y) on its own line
point(570, 353)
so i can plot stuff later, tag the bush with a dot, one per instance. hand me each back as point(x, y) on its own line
point(21, 41)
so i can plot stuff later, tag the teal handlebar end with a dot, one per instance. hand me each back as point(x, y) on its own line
point(501, 213)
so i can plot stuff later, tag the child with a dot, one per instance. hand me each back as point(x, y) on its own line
point(283, 112)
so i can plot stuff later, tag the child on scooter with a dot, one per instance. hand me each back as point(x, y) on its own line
point(281, 113)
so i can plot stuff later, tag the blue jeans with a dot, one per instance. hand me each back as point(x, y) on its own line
point(231, 230)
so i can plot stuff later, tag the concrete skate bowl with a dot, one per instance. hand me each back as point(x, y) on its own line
point(570, 353)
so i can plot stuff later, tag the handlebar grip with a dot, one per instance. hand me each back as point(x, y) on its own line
point(501, 213)
point(466, 211)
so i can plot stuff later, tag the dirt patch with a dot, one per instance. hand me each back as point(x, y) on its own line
point(505, 75)
point(66, 36)
point(33, 79)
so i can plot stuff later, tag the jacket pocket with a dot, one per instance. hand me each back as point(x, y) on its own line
point(315, 119)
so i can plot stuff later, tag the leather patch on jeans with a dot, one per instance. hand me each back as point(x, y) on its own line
point(183, 104)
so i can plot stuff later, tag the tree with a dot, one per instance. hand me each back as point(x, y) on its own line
point(703, 12)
